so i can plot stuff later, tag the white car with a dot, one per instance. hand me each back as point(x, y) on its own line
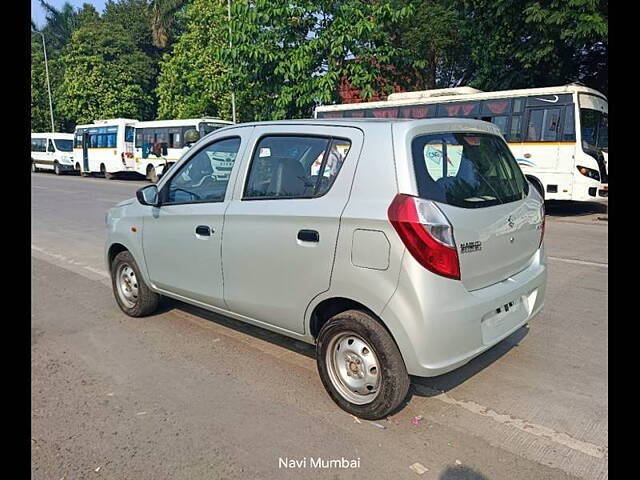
point(418, 250)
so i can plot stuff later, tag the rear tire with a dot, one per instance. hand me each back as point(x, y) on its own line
point(360, 365)
point(132, 294)
point(105, 174)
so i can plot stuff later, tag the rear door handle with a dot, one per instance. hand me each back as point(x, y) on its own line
point(308, 236)
point(203, 231)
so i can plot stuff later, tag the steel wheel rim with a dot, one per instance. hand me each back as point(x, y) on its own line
point(127, 285)
point(353, 368)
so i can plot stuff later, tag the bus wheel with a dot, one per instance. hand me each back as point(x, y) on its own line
point(77, 169)
point(33, 167)
point(152, 175)
point(56, 168)
point(105, 174)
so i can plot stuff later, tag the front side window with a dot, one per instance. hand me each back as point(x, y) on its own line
point(569, 127)
point(467, 170)
point(50, 147)
point(294, 166)
point(197, 181)
point(64, 145)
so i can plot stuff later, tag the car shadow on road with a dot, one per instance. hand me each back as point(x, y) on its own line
point(432, 386)
point(168, 304)
point(421, 386)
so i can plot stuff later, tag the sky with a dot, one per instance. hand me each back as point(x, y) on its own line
point(37, 13)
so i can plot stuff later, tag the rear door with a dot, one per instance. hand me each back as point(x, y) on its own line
point(476, 182)
point(281, 228)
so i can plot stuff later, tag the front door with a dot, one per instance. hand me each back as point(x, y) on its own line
point(85, 152)
point(281, 227)
point(182, 239)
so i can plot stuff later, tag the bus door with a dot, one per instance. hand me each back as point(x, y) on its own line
point(85, 151)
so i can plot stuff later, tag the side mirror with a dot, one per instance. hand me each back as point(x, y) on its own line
point(148, 195)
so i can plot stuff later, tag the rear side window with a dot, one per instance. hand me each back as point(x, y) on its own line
point(294, 166)
point(467, 170)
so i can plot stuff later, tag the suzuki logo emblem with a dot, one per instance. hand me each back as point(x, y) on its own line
point(510, 221)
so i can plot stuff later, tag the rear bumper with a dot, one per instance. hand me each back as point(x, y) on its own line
point(439, 325)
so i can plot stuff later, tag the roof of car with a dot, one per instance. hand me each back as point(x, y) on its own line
point(360, 122)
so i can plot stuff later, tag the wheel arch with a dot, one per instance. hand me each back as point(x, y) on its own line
point(329, 307)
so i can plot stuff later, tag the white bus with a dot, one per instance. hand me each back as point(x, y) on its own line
point(559, 135)
point(105, 147)
point(161, 143)
point(52, 151)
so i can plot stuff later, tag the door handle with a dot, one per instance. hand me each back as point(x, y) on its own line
point(308, 236)
point(203, 231)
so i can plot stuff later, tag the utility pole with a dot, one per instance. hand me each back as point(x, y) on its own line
point(233, 95)
point(46, 68)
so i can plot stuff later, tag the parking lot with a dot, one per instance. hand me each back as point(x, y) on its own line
point(187, 394)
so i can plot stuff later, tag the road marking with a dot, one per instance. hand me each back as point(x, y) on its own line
point(579, 262)
point(532, 428)
point(70, 261)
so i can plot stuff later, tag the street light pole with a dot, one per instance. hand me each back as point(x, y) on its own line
point(233, 95)
point(46, 68)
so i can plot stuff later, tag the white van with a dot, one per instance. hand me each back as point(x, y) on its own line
point(52, 151)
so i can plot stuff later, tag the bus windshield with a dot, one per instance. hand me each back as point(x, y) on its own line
point(64, 145)
point(594, 128)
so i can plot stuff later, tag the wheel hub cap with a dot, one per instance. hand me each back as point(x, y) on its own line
point(353, 368)
point(127, 284)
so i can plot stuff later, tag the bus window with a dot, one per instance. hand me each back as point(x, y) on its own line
point(139, 137)
point(128, 133)
point(569, 129)
point(501, 123)
point(518, 105)
point(38, 145)
point(534, 127)
point(50, 147)
point(78, 139)
point(175, 138)
point(459, 109)
point(515, 132)
point(496, 107)
point(551, 125)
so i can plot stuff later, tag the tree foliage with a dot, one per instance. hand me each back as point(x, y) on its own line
point(171, 58)
point(105, 76)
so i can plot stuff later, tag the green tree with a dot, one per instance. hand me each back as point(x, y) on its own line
point(40, 121)
point(162, 14)
point(105, 76)
point(519, 43)
point(188, 85)
point(287, 57)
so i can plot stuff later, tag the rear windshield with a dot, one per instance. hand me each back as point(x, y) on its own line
point(467, 170)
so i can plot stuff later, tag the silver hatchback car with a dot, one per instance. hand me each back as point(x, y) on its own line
point(397, 247)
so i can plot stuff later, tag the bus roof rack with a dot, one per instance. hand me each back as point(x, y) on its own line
point(437, 92)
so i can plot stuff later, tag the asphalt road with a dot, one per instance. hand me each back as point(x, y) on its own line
point(187, 394)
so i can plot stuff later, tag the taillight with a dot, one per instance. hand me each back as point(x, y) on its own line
point(426, 233)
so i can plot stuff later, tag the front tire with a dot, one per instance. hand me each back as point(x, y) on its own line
point(132, 294)
point(360, 365)
point(56, 169)
point(33, 167)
